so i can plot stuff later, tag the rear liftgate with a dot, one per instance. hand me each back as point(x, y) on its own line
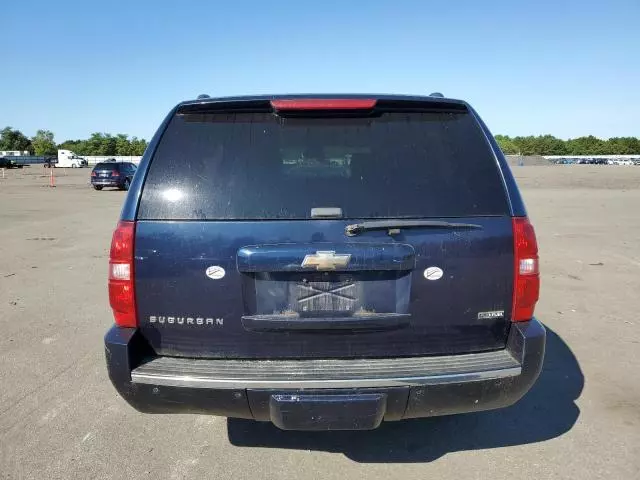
point(401, 274)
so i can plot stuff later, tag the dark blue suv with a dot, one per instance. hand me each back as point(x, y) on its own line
point(323, 262)
point(113, 174)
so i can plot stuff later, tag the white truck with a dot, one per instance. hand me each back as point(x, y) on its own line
point(66, 159)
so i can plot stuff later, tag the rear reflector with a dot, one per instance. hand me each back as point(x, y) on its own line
point(324, 104)
point(121, 281)
point(526, 281)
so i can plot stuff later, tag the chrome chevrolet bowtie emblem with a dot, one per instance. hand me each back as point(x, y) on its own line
point(326, 260)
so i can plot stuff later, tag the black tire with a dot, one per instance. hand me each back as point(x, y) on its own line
point(98, 187)
point(126, 184)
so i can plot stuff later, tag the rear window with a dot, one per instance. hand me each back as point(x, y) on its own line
point(261, 166)
point(106, 166)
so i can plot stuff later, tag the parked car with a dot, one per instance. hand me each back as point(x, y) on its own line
point(324, 262)
point(112, 174)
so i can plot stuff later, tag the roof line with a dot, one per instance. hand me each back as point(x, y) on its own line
point(269, 97)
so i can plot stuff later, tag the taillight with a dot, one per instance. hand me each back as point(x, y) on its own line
point(115, 173)
point(121, 287)
point(93, 174)
point(324, 104)
point(526, 281)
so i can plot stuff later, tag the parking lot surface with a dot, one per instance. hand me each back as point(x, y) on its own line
point(60, 417)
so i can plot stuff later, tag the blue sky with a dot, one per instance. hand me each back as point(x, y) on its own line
point(568, 68)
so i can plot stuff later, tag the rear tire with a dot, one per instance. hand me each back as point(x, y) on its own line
point(97, 187)
point(125, 185)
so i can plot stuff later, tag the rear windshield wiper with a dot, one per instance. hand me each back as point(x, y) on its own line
point(394, 226)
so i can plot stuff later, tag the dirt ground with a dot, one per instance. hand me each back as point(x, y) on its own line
point(60, 417)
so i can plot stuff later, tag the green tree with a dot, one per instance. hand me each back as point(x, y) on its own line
point(94, 144)
point(106, 144)
point(138, 146)
point(123, 145)
point(11, 139)
point(101, 144)
point(622, 146)
point(506, 145)
point(549, 145)
point(76, 146)
point(586, 146)
point(43, 143)
point(525, 145)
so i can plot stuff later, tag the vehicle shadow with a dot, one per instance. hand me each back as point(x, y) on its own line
point(547, 411)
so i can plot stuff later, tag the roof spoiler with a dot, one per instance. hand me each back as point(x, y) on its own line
point(339, 104)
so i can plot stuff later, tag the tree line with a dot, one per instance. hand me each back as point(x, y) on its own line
point(550, 145)
point(43, 143)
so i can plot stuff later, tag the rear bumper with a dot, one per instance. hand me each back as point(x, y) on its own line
point(106, 183)
point(348, 393)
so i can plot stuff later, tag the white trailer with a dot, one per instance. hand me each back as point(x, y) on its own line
point(13, 153)
point(68, 159)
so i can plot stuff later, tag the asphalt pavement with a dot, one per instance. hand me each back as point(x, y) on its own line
point(60, 418)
